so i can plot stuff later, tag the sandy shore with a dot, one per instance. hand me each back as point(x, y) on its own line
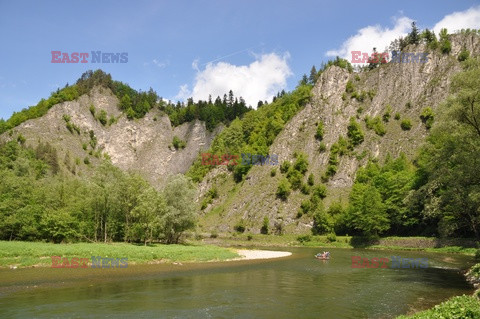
point(261, 254)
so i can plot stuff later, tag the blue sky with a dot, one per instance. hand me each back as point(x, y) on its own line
point(192, 48)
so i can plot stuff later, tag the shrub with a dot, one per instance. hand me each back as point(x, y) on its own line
point(66, 118)
point(331, 237)
point(320, 191)
point(86, 160)
point(301, 163)
point(213, 234)
point(319, 132)
point(427, 117)
point(102, 117)
point(322, 147)
point(349, 88)
point(295, 178)
point(284, 167)
point(311, 179)
point(463, 55)
point(355, 133)
point(386, 115)
point(376, 125)
point(178, 143)
point(92, 109)
point(249, 237)
point(305, 189)
point(265, 227)
point(240, 226)
point(304, 238)
point(406, 124)
point(397, 116)
point(273, 172)
point(305, 206)
point(283, 189)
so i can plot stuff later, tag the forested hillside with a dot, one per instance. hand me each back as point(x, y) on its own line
point(385, 149)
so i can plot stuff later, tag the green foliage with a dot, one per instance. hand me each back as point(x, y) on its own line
point(445, 44)
point(355, 133)
point(322, 147)
point(301, 163)
point(427, 117)
point(304, 238)
point(447, 191)
point(284, 167)
point(240, 226)
point(332, 237)
point(178, 143)
point(273, 172)
point(266, 226)
point(86, 160)
point(320, 131)
point(376, 125)
point(350, 87)
point(397, 116)
point(92, 110)
point(283, 189)
point(406, 124)
point(459, 307)
point(429, 38)
point(255, 132)
point(311, 179)
point(463, 55)
point(102, 117)
point(387, 114)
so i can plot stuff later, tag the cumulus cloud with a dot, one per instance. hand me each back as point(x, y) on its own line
point(460, 20)
point(380, 37)
point(260, 80)
point(372, 36)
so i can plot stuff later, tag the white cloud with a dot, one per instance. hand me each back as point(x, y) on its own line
point(460, 20)
point(376, 36)
point(260, 80)
point(372, 36)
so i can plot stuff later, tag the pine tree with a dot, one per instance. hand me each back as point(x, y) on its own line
point(413, 37)
point(313, 75)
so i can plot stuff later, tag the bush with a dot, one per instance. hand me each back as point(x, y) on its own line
point(463, 55)
point(178, 143)
point(355, 133)
point(273, 172)
point(283, 189)
point(319, 133)
point(322, 147)
point(213, 234)
point(376, 125)
point(349, 88)
point(92, 109)
point(284, 167)
point(311, 179)
point(304, 238)
point(305, 206)
point(102, 117)
point(386, 115)
point(86, 160)
point(240, 226)
point(427, 117)
point(331, 237)
point(266, 226)
point(406, 124)
point(397, 116)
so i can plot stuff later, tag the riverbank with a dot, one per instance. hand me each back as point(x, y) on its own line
point(16, 254)
point(428, 244)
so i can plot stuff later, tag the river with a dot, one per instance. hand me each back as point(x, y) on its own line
point(298, 286)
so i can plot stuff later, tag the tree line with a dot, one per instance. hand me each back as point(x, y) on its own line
point(39, 202)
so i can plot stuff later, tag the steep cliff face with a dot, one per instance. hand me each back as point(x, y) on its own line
point(405, 88)
point(142, 145)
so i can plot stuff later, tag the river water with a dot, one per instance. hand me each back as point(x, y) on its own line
point(298, 286)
